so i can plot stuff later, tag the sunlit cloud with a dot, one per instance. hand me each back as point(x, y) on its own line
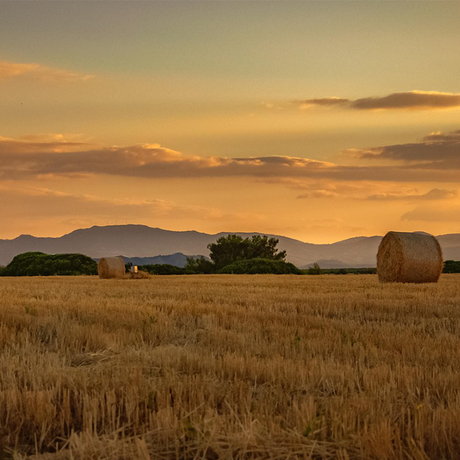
point(427, 161)
point(408, 100)
point(324, 102)
point(438, 137)
point(21, 159)
point(39, 72)
point(435, 151)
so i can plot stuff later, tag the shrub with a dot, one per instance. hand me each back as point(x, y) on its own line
point(260, 266)
point(40, 264)
point(451, 266)
point(315, 269)
point(162, 269)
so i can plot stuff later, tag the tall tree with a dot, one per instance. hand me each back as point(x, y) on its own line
point(231, 248)
point(226, 249)
point(263, 247)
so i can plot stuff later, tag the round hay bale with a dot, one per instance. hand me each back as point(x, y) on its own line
point(111, 267)
point(409, 258)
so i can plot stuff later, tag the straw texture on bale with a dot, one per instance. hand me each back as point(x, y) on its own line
point(409, 258)
point(111, 267)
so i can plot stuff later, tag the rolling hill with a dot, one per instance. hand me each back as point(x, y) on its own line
point(142, 241)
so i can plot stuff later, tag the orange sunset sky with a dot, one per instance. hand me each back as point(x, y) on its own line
point(318, 120)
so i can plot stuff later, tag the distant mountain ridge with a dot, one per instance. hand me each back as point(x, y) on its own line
point(178, 260)
point(133, 241)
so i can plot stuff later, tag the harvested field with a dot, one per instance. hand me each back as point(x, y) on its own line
point(232, 367)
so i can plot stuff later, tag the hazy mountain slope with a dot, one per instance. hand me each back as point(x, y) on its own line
point(450, 246)
point(142, 241)
point(128, 240)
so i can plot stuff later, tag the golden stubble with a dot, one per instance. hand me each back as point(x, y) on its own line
point(237, 367)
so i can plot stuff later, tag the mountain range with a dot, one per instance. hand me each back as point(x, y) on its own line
point(178, 259)
point(140, 241)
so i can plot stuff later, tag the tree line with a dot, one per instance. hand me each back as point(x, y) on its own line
point(234, 254)
point(257, 254)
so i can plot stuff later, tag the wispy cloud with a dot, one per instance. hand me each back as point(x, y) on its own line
point(39, 72)
point(318, 193)
point(433, 214)
point(408, 100)
point(41, 143)
point(372, 191)
point(434, 194)
point(37, 201)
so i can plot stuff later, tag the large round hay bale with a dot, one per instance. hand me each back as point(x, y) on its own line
point(111, 267)
point(409, 258)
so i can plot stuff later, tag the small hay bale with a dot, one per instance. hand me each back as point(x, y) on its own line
point(111, 267)
point(409, 258)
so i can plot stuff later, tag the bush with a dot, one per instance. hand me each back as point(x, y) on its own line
point(40, 264)
point(260, 266)
point(340, 271)
point(315, 269)
point(162, 269)
point(451, 266)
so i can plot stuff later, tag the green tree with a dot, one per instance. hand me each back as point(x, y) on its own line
point(451, 266)
point(226, 249)
point(232, 248)
point(315, 269)
point(199, 265)
point(262, 247)
point(40, 264)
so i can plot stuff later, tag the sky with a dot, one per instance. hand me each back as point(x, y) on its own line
point(317, 120)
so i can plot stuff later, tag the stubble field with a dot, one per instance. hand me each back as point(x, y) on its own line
point(231, 367)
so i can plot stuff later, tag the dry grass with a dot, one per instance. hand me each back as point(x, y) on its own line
point(231, 367)
point(140, 275)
